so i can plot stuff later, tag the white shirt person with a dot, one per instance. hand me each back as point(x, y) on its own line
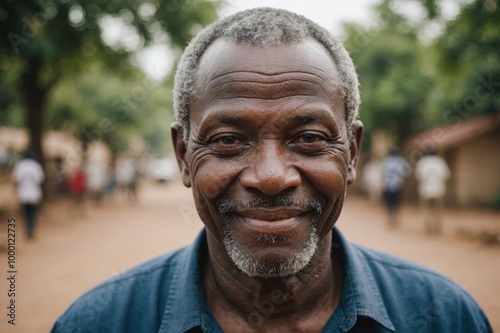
point(432, 172)
point(28, 175)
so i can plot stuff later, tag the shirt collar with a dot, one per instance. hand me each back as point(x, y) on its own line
point(360, 295)
point(186, 307)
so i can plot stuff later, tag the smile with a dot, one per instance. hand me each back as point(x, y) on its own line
point(271, 221)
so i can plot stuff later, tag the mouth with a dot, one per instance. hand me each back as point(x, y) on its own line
point(271, 221)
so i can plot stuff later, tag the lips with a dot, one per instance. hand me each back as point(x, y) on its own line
point(270, 220)
point(270, 214)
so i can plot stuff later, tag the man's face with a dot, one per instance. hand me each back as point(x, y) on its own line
point(268, 155)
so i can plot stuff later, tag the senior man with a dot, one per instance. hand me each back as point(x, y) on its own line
point(267, 138)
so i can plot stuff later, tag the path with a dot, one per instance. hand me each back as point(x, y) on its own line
point(71, 255)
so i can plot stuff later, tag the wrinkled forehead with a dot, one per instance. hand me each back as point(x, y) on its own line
point(225, 58)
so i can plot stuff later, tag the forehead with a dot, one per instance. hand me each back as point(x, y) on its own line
point(225, 60)
point(234, 77)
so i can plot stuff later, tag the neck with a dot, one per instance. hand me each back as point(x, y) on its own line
point(297, 302)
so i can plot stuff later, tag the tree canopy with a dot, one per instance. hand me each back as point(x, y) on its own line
point(411, 82)
point(46, 41)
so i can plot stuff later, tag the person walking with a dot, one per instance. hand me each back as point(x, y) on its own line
point(431, 173)
point(78, 190)
point(126, 178)
point(96, 180)
point(28, 176)
point(395, 169)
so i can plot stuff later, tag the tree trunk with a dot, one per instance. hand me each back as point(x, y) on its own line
point(35, 98)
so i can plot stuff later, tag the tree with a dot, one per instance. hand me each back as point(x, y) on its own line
point(394, 75)
point(464, 59)
point(44, 41)
point(469, 63)
point(100, 106)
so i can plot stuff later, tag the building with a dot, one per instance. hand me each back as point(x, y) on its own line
point(471, 147)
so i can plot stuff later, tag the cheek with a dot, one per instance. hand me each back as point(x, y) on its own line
point(328, 176)
point(329, 179)
point(212, 176)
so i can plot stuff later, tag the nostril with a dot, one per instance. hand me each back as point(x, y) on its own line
point(270, 182)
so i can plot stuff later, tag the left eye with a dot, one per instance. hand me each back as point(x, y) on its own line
point(228, 140)
point(309, 138)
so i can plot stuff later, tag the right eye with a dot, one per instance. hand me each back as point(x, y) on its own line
point(227, 140)
point(227, 145)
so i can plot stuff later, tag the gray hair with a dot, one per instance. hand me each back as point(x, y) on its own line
point(262, 26)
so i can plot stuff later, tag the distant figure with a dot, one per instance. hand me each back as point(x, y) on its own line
point(5, 163)
point(96, 180)
point(432, 172)
point(28, 175)
point(395, 169)
point(78, 189)
point(109, 189)
point(373, 180)
point(126, 177)
point(60, 180)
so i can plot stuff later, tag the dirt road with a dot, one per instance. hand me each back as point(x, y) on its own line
point(72, 254)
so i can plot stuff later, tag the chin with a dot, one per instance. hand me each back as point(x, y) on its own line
point(275, 267)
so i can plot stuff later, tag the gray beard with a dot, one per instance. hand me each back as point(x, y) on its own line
point(255, 267)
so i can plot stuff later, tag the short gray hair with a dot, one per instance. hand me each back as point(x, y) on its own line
point(262, 26)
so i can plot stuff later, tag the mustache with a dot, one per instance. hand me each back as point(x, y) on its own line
point(227, 207)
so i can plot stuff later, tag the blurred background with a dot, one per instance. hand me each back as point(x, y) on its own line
point(85, 88)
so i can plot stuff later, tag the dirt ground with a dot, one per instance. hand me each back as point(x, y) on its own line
point(72, 253)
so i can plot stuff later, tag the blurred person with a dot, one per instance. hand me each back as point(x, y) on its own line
point(373, 180)
point(78, 190)
point(432, 172)
point(6, 160)
point(395, 169)
point(267, 136)
point(110, 180)
point(60, 178)
point(96, 180)
point(29, 176)
point(126, 176)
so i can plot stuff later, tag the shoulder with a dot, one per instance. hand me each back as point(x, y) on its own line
point(108, 307)
point(420, 299)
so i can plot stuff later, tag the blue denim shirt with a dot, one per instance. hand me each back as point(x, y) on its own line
point(381, 293)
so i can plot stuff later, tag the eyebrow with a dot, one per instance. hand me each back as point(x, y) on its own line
point(302, 119)
point(309, 118)
point(229, 119)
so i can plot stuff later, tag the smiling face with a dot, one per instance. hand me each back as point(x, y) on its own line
point(268, 155)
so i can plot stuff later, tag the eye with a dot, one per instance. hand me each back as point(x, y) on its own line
point(309, 138)
point(309, 143)
point(227, 145)
point(227, 140)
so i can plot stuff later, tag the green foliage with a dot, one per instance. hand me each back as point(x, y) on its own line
point(46, 42)
point(469, 62)
point(409, 84)
point(392, 73)
point(101, 106)
point(11, 113)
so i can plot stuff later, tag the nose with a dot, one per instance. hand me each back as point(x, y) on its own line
point(269, 170)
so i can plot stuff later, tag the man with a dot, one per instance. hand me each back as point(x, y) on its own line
point(432, 172)
point(395, 170)
point(267, 137)
point(28, 176)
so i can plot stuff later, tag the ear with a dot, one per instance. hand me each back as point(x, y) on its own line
point(180, 148)
point(355, 146)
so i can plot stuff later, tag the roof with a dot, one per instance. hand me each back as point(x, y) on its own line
point(453, 134)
